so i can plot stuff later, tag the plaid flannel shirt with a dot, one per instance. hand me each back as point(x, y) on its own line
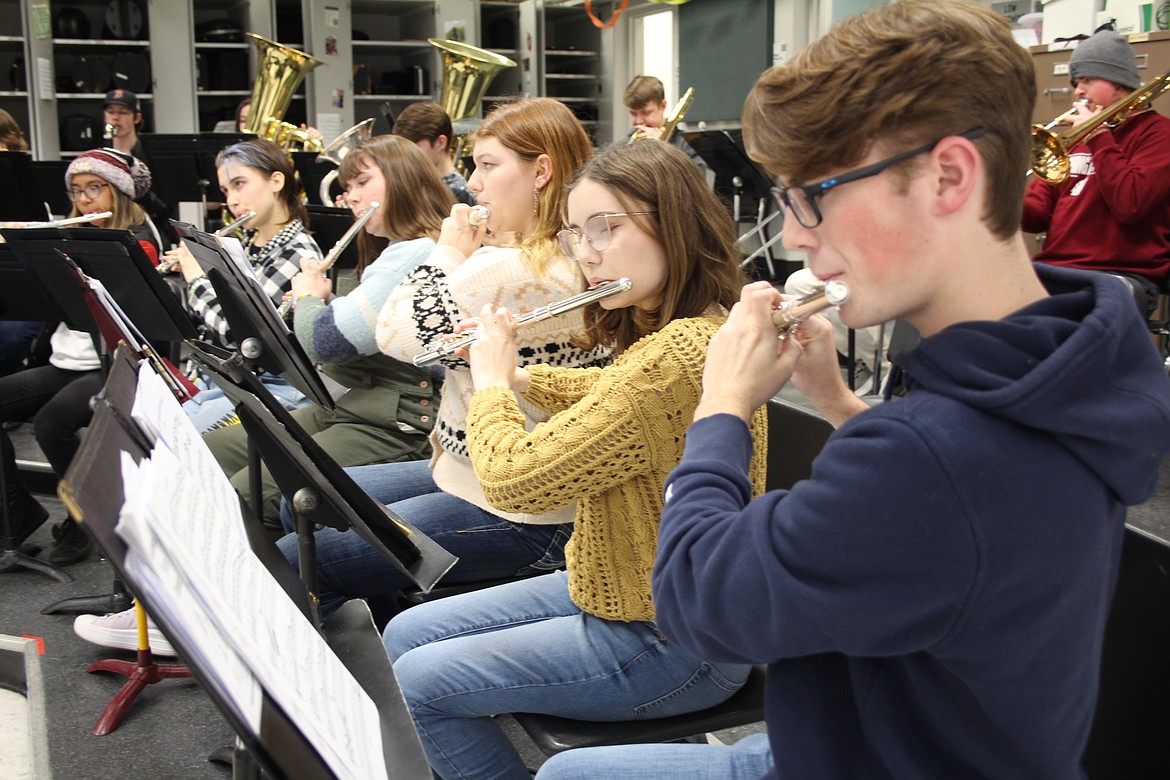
point(275, 263)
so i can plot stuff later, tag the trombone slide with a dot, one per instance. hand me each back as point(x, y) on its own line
point(548, 311)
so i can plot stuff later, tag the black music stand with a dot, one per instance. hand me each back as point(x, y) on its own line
point(739, 179)
point(271, 742)
point(24, 297)
point(319, 490)
point(49, 176)
point(312, 173)
point(182, 166)
point(263, 337)
point(115, 258)
point(20, 197)
point(329, 225)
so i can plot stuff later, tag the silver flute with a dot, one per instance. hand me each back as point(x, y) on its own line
point(336, 251)
point(548, 311)
point(477, 215)
point(789, 314)
point(166, 265)
point(66, 222)
point(343, 242)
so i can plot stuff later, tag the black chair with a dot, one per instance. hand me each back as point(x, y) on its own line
point(795, 436)
point(1133, 704)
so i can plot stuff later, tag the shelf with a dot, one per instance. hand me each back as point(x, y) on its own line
point(11, 39)
point(572, 76)
point(569, 53)
point(396, 98)
point(94, 95)
point(98, 42)
point(403, 44)
point(212, 93)
point(11, 94)
point(212, 45)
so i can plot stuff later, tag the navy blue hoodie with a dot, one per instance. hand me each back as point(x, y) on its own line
point(931, 603)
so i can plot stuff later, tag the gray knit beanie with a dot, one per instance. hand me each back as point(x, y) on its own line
point(1104, 55)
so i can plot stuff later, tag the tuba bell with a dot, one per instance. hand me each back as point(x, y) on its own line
point(467, 72)
point(279, 72)
point(1050, 151)
point(337, 150)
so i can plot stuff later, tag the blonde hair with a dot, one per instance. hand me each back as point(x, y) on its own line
point(531, 127)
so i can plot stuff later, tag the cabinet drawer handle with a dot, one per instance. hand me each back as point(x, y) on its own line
point(1057, 90)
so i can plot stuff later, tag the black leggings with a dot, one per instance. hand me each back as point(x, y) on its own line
point(57, 400)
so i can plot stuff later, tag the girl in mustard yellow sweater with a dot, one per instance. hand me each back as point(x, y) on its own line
point(583, 643)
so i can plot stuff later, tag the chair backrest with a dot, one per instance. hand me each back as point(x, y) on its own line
point(1131, 729)
point(796, 435)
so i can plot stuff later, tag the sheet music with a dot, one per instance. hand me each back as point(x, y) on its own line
point(177, 521)
point(173, 603)
point(125, 326)
point(157, 412)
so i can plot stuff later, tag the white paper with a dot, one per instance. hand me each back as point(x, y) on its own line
point(175, 518)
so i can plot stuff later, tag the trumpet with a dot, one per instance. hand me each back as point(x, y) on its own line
point(600, 292)
point(166, 265)
point(336, 251)
point(789, 314)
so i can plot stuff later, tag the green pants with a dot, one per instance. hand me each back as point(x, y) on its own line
point(350, 437)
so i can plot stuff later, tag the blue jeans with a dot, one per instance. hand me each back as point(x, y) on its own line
point(210, 407)
point(488, 546)
point(748, 759)
point(525, 647)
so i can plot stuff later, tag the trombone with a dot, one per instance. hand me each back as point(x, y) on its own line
point(1050, 151)
point(671, 120)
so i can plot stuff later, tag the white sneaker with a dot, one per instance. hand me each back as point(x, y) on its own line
point(120, 631)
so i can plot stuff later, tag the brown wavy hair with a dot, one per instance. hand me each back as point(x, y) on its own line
point(905, 74)
point(415, 200)
point(694, 229)
point(531, 127)
point(11, 136)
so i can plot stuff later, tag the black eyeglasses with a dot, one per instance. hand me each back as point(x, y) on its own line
point(801, 199)
point(91, 191)
point(596, 231)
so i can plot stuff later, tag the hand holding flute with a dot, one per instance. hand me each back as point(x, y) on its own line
point(747, 363)
point(311, 281)
point(464, 340)
point(179, 254)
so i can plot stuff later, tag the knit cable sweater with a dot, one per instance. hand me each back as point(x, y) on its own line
point(614, 435)
point(447, 289)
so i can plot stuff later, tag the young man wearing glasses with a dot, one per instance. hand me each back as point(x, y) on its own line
point(931, 603)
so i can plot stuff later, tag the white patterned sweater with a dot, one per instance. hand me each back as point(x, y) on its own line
point(443, 291)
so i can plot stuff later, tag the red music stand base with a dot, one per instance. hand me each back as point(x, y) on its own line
point(142, 673)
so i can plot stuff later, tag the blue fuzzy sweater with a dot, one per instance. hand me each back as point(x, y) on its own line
point(931, 603)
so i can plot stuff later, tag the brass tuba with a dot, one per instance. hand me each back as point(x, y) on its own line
point(467, 72)
point(1050, 158)
point(337, 150)
point(279, 72)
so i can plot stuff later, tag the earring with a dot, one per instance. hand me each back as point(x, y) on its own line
point(536, 201)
